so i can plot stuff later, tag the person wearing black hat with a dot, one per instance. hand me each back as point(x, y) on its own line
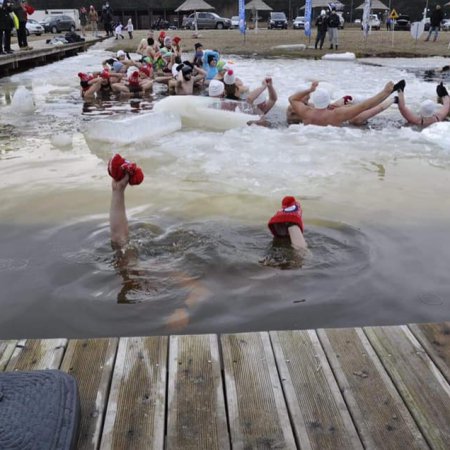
point(186, 78)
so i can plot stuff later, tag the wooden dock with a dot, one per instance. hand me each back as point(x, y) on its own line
point(41, 54)
point(375, 387)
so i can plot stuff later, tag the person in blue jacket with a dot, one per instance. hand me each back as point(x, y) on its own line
point(210, 60)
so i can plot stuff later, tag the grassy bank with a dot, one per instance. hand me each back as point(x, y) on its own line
point(264, 42)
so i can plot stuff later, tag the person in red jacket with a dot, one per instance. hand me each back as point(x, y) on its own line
point(22, 9)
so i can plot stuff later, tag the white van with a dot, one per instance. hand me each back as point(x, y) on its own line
point(374, 22)
point(42, 14)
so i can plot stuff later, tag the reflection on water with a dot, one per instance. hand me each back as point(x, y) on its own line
point(375, 200)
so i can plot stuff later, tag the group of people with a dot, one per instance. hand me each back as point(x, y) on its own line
point(160, 60)
point(14, 14)
point(328, 21)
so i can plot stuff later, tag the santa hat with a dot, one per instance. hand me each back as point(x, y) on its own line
point(289, 214)
point(229, 77)
point(162, 34)
point(176, 39)
point(146, 70)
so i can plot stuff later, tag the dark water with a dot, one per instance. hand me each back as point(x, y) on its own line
point(68, 281)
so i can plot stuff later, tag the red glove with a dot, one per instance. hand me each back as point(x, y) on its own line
point(118, 167)
point(347, 99)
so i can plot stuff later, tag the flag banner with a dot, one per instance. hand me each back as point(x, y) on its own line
point(308, 9)
point(242, 16)
point(366, 16)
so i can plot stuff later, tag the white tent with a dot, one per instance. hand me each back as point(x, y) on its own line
point(257, 5)
point(325, 4)
point(195, 5)
point(376, 4)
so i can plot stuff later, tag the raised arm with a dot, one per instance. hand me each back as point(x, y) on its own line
point(298, 101)
point(118, 221)
point(273, 97)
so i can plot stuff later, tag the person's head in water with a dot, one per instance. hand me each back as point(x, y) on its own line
point(187, 72)
point(216, 89)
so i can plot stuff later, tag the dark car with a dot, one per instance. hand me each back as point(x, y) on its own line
point(56, 24)
point(402, 23)
point(277, 20)
point(206, 20)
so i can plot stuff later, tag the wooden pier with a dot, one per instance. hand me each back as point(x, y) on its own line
point(374, 387)
point(41, 54)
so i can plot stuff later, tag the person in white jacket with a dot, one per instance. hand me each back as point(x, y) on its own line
point(130, 28)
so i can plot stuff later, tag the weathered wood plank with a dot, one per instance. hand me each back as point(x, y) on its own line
point(435, 339)
point(421, 385)
point(258, 415)
point(91, 362)
point(37, 354)
point(6, 351)
point(382, 419)
point(136, 405)
point(318, 411)
point(196, 408)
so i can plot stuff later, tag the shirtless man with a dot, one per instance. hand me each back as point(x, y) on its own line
point(186, 78)
point(430, 112)
point(322, 115)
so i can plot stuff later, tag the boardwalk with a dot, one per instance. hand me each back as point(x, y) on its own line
point(376, 387)
point(41, 54)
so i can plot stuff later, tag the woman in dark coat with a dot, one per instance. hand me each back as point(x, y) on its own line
point(6, 25)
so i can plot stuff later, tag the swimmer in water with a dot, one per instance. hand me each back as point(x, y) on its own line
point(430, 112)
point(288, 223)
point(124, 173)
point(321, 114)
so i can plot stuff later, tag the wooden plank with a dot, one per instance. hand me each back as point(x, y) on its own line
point(258, 416)
point(136, 405)
point(91, 362)
point(435, 339)
point(6, 351)
point(196, 408)
point(382, 419)
point(318, 411)
point(421, 385)
point(37, 354)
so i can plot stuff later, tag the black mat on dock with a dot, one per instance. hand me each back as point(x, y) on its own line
point(38, 410)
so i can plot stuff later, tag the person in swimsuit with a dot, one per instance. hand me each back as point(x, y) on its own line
point(323, 115)
point(430, 112)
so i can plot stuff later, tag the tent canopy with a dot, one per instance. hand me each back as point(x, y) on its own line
point(194, 5)
point(258, 5)
point(325, 4)
point(376, 4)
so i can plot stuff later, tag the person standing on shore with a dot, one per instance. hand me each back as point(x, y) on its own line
point(93, 20)
point(21, 9)
point(5, 28)
point(130, 28)
point(322, 26)
point(333, 25)
point(83, 20)
point(435, 23)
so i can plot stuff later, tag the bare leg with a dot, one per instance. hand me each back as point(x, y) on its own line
point(363, 117)
point(118, 221)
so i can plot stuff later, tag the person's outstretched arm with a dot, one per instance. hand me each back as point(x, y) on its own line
point(118, 221)
point(406, 112)
point(256, 93)
point(297, 239)
point(297, 100)
point(273, 97)
point(444, 110)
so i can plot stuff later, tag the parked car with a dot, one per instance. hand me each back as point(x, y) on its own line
point(56, 24)
point(277, 20)
point(374, 22)
point(402, 23)
point(235, 22)
point(206, 20)
point(299, 23)
point(445, 25)
point(32, 27)
point(427, 24)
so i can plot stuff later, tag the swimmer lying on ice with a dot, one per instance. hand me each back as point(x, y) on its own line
point(430, 112)
point(126, 173)
point(324, 113)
